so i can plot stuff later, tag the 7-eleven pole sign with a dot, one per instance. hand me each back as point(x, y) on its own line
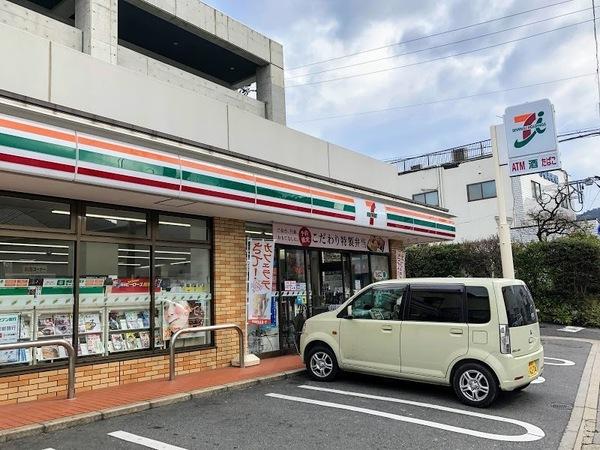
point(531, 138)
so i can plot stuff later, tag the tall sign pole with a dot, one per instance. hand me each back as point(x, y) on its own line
point(508, 268)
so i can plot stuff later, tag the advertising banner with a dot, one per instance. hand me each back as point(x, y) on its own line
point(303, 236)
point(260, 282)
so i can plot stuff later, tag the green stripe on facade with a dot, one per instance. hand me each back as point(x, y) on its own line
point(333, 205)
point(283, 195)
point(423, 223)
point(14, 291)
point(218, 182)
point(128, 164)
point(32, 145)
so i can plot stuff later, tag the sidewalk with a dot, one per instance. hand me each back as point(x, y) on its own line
point(26, 419)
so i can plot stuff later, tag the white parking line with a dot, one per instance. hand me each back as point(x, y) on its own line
point(561, 362)
point(533, 433)
point(538, 380)
point(146, 442)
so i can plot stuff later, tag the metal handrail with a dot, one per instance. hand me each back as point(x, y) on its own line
point(62, 343)
point(223, 326)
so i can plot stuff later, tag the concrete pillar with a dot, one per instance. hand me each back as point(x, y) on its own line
point(270, 85)
point(97, 19)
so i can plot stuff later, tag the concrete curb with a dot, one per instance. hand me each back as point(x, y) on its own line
point(82, 419)
point(586, 401)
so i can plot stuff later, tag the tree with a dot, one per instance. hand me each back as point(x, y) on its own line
point(552, 216)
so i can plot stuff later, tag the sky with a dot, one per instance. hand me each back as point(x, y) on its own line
point(562, 47)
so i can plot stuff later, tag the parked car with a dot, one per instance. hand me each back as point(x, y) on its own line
point(478, 335)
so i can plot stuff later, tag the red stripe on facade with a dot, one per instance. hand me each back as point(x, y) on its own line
point(421, 230)
point(14, 159)
point(126, 178)
point(282, 205)
point(332, 214)
point(208, 192)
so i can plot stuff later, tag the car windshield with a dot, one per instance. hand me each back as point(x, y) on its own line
point(520, 308)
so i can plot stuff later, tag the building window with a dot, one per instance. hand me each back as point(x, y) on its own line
point(481, 191)
point(115, 222)
point(536, 190)
point(34, 213)
point(430, 198)
point(175, 228)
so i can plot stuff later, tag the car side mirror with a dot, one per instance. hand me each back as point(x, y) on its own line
point(348, 313)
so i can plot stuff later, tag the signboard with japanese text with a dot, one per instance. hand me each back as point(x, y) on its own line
point(260, 282)
point(531, 138)
point(400, 264)
point(303, 236)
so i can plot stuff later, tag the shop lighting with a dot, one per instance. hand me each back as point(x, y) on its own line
point(133, 250)
point(125, 219)
point(19, 244)
point(268, 234)
point(147, 267)
point(129, 264)
point(59, 254)
point(180, 262)
point(166, 258)
point(19, 252)
point(173, 253)
point(176, 224)
point(133, 257)
point(253, 232)
point(31, 261)
point(61, 212)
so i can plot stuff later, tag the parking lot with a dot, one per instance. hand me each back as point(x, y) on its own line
point(355, 411)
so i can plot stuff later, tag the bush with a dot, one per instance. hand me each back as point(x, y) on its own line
point(563, 275)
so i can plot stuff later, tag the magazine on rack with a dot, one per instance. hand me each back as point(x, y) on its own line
point(82, 348)
point(113, 321)
point(132, 319)
point(143, 319)
point(63, 324)
point(145, 339)
point(118, 344)
point(46, 326)
point(133, 342)
point(51, 352)
point(94, 344)
point(90, 323)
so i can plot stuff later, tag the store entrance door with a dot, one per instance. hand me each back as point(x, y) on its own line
point(292, 298)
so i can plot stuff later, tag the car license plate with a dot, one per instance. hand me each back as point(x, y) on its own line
point(533, 368)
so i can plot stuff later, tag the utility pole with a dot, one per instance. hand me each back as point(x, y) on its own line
point(508, 268)
point(597, 57)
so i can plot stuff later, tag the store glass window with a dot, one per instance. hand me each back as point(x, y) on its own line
point(34, 213)
point(174, 228)
point(380, 267)
point(183, 294)
point(36, 297)
point(114, 298)
point(360, 271)
point(115, 221)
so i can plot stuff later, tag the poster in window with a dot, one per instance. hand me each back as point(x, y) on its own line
point(260, 282)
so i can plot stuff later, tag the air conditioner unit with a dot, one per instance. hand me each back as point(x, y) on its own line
point(416, 167)
point(459, 154)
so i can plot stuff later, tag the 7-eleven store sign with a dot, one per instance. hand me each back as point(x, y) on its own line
point(370, 213)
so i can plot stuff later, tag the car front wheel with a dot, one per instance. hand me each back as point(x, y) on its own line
point(322, 364)
point(475, 385)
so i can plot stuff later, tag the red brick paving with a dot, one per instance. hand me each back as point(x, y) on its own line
point(12, 416)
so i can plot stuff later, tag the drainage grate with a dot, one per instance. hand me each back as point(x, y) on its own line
point(562, 406)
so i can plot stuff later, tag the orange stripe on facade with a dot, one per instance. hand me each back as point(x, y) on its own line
point(37, 130)
point(332, 196)
point(217, 170)
point(127, 150)
point(418, 214)
point(281, 184)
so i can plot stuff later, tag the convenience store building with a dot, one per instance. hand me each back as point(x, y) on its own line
point(134, 166)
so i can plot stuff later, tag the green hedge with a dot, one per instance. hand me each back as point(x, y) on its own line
point(563, 274)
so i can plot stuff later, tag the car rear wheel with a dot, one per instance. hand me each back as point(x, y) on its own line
point(321, 364)
point(475, 385)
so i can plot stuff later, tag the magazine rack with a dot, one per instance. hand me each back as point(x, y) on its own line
point(61, 342)
point(224, 326)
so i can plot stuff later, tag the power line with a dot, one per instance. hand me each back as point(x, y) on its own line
point(430, 35)
point(433, 102)
point(439, 58)
point(438, 46)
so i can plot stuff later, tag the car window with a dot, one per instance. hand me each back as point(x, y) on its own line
point(520, 308)
point(478, 304)
point(433, 305)
point(379, 304)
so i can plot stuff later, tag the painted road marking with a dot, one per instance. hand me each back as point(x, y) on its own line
point(571, 329)
point(146, 442)
point(538, 380)
point(559, 362)
point(533, 433)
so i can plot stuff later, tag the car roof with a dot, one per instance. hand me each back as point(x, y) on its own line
point(450, 280)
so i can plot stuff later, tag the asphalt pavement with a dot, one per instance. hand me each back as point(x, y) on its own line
point(355, 411)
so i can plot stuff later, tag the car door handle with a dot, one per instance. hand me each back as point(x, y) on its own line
point(386, 328)
point(456, 331)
